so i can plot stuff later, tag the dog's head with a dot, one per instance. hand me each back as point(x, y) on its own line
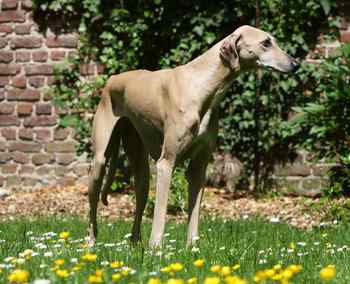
point(248, 47)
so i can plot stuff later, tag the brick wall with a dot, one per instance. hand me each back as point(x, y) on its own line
point(34, 151)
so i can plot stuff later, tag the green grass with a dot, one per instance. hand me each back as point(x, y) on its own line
point(254, 244)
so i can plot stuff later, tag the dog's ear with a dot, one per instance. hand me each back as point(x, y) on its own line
point(229, 51)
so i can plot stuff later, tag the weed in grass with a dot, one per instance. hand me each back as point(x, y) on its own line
point(233, 252)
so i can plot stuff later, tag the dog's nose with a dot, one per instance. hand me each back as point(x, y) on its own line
point(295, 65)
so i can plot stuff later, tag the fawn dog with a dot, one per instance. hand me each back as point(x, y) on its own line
point(171, 115)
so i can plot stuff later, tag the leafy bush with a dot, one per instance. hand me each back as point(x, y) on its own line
point(323, 125)
point(125, 35)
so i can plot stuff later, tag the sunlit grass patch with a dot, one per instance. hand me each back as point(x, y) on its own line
point(238, 252)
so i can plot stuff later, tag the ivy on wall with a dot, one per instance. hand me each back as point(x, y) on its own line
point(125, 35)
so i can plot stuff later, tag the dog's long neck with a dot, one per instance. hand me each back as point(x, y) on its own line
point(210, 77)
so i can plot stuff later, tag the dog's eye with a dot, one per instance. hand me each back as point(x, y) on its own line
point(266, 43)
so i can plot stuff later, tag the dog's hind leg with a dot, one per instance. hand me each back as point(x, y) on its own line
point(103, 125)
point(114, 152)
point(138, 158)
point(195, 175)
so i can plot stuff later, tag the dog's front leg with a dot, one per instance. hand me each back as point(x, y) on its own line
point(164, 171)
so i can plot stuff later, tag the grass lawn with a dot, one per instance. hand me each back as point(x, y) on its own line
point(35, 246)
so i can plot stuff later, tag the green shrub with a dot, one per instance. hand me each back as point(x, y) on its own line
point(323, 125)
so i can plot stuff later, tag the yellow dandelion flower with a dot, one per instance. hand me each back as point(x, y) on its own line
point(225, 271)
point(212, 280)
point(259, 276)
point(59, 261)
point(77, 267)
point(234, 280)
point(166, 269)
point(94, 279)
point(126, 271)
point(116, 264)
point(287, 274)
point(198, 263)
point(192, 280)
point(279, 266)
point(153, 281)
point(18, 276)
point(269, 273)
point(116, 277)
point(89, 257)
point(236, 266)
point(215, 268)
point(292, 245)
point(177, 266)
point(64, 235)
point(99, 272)
point(175, 281)
point(327, 273)
point(62, 273)
point(295, 268)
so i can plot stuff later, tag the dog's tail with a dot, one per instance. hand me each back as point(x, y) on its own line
point(111, 158)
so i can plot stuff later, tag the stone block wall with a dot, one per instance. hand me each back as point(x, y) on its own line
point(34, 151)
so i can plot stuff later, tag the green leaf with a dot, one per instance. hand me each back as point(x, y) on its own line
point(326, 6)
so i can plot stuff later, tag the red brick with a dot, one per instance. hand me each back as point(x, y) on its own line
point(4, 81)
point(23, 29)
point(100, 68)
point(39, 69)
point(6, 29)
point(57, 55)
point(23, 95)
point(9, 133)
point(26, 134)
point(41, 120)
point(12, 16)
point(7, 120)
point(24, 108)
point(6, 56)
point(36, 82)
point(19, 157)
point(4, 157)
point(65, 159)
point(27, 4)
point(26, 42)
point(22, 56)
point(3, 145)
point(43, 109)
point(43, 134)
point(9, 168)
point(345, 36)
point(87, 69)
point(40, 159)
point(50, 81)
point(61, 133)
point(68, 41)
point(9, 4)
point(19, 82)
point(25, 169)
point(60, 147)
point(3, 42)
point(9, 69)
point(7, 108)
point(40, 56)
point(26, 147)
